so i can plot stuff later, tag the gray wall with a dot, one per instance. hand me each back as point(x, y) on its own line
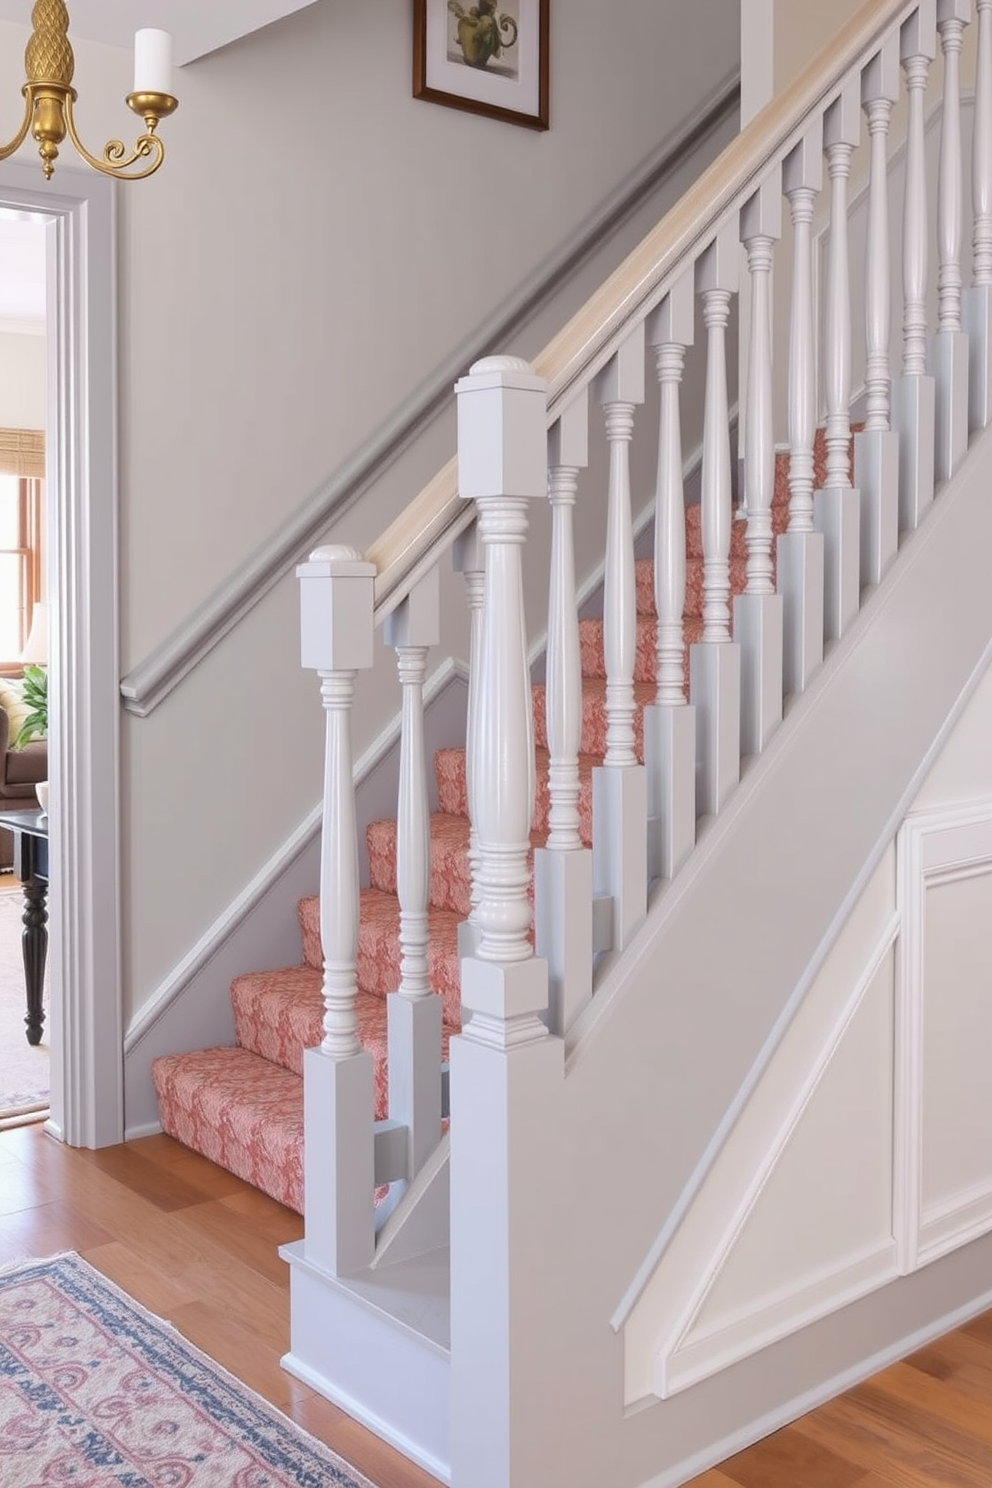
point(316, 243)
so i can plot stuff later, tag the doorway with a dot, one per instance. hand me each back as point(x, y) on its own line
point(82, 584)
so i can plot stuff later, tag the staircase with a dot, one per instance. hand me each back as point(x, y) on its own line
point(713, 1150)
point(242, 1106)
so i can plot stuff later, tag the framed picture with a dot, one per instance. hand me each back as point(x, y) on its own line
point(489, 58)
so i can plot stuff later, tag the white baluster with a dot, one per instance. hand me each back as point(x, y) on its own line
point(414, 1011)
point(669, 522)
point(837, 507)
point(336, 595)
point(876, 448)
point(977, 306)
point(670, 723)
point(467, 558)
point(799, 551)
point(913, 391)
point(619, 789)
point(502, 462)
point(758, 613)
point(619, 389)
point(568, 453)
point(715, 662)
point(507, 1071)
point(949, 348)
point(563, 868)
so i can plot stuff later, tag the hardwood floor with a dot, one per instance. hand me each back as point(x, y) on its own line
point(198, 1247)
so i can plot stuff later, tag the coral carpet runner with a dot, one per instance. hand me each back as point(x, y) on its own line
point(96, 1392)
point(242, 1105)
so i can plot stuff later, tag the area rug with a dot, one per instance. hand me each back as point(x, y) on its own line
point(95, 1392)
point(24, 1071)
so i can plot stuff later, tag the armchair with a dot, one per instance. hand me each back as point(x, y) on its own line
point(20, 771)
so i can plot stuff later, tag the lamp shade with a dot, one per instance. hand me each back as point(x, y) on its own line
point(36, 646)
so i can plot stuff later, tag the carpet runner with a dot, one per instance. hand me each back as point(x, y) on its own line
point(242, 1106)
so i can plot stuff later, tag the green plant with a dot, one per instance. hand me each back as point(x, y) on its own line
point(35, 694)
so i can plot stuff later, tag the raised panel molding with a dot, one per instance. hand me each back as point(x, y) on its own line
point(697, 1346)
point(935, 851)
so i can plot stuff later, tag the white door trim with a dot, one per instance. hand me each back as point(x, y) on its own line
point(86, 1022)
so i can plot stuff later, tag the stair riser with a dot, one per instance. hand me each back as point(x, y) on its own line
point(247, 1120)
point(451, 792)
point(378, 969)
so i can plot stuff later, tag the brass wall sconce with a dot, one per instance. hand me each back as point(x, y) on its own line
point(49, 97)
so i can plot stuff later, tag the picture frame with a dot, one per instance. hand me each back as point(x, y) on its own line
point(489, 57)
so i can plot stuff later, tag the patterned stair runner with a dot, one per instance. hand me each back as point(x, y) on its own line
point(242, 1106)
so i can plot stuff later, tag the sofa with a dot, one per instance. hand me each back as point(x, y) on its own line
point(20, 771)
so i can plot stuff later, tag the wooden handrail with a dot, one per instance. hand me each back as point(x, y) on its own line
point(586, 343)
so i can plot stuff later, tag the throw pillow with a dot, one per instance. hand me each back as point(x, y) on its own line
point(13, 704)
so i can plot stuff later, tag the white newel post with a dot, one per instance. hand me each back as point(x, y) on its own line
point(977, 306)
point(414, 1010)
point(467, 559)
point(799, 551)
point(336, 598)
point(670, 722)
point(619, 789)
point(913, 397)
point(949, 347)
point(758, 613)
point(506, 1069)
point(563, 883)
point(876, 447)
point(715, 661)
point(837, 507)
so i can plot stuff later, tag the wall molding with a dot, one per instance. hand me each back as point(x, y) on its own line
point(153, 679)
point(808, 1400)
point(686, 1355)
point(776, 1316)
point(933, 849)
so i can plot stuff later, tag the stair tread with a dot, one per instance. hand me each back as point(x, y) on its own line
point(378, 947)
point(645, 647)
point(450, 880)
point(594, 714)
point(240, 1111)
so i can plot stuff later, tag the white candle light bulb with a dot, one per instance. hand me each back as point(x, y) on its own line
point(152, 61)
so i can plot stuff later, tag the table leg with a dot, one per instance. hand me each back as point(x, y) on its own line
point(34, 948)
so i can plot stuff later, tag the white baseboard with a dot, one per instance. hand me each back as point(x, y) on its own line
point(808, 1400)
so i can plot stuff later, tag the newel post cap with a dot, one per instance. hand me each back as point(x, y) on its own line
point(502, 430)
point(337, 595)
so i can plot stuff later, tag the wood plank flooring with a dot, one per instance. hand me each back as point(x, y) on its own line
point(198, 1247)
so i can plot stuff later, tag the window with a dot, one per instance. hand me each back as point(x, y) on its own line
point(21, 508)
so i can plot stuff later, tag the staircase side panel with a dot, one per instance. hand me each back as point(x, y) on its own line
point(680, 1032)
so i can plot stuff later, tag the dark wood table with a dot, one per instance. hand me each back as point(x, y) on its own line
point(30, 829)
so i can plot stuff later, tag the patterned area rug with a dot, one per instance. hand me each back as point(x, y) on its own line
point(24, 1071)
point(98, 1393)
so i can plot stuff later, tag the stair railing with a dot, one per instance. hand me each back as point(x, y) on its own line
point(523, 433)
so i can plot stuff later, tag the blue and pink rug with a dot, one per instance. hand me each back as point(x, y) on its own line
point(97, 1393)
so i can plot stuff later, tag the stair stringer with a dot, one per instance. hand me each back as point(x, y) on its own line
point(663, 1060)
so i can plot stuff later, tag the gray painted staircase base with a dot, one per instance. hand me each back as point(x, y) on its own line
point(378, 1345)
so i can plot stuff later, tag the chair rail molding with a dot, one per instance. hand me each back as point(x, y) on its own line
point(153, 679)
